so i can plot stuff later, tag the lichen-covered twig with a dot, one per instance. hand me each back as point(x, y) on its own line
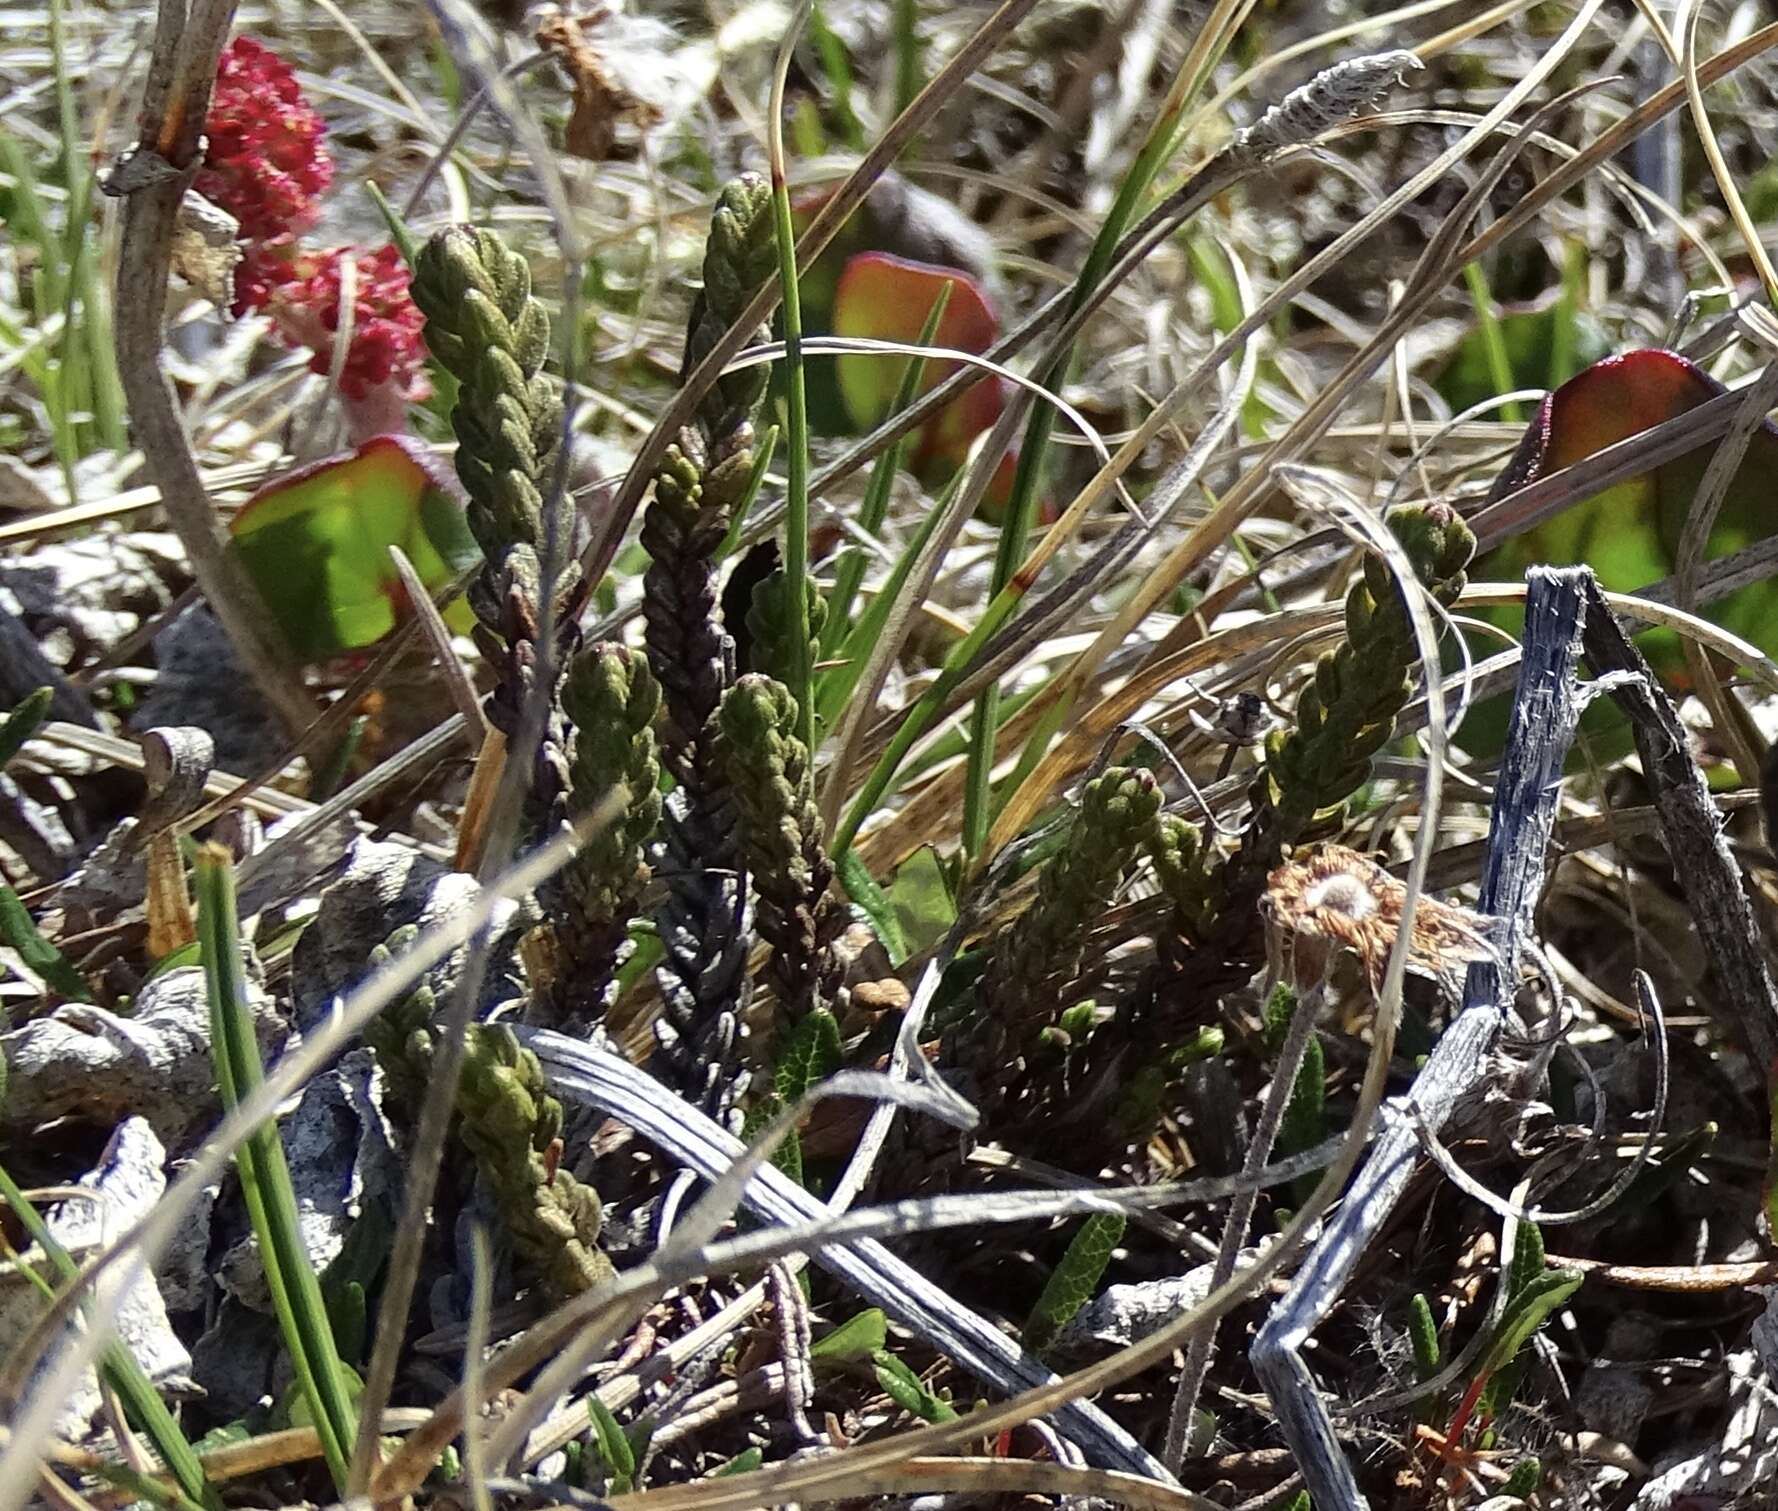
point(797, 913)
point(703, 923)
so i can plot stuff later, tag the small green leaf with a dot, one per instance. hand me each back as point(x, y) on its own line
point(1305, 1119)
point(874, 903)
point(903, 1387)
point(614, 1446)
point(811, 1054)
point(1073, 1281)
point(1528, 1310)
point(41, 957)
point(925, 906)
point(346, 1315)
point(1528, 1260)
point(23, 722)
point(744, 1462)
point(1423, 1333)
point(316, 544)
point(852, 1341)
point(1527, 1475)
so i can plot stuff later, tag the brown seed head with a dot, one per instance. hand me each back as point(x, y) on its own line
point(1335, 899)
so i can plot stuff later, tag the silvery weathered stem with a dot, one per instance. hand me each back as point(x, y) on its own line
point(1546, 709)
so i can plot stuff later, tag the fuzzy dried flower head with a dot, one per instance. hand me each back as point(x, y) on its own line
point(1336, 899)
point(264, 160)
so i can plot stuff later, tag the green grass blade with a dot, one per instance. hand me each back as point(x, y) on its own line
point(907, 53)
point(920, 717)
point(20, 932)
point(762, 459)
point(121, 1369)
point(796, 489)
point(1500, 367)
point(23, 722)
point(265, 1178)
point(838, 68)
point(1021, 509)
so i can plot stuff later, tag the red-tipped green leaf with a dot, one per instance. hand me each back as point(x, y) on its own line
point(317, 543)
point(1629, 534)
point(885, 298)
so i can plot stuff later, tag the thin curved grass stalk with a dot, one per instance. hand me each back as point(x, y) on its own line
point(706, 473)
point(1301, 115)
point(487, 330)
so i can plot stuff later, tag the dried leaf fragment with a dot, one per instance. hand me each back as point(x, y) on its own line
point(205, 248)
point(601, 101)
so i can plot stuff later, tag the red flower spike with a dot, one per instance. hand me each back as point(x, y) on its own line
point(386, 346)
point(264, 161)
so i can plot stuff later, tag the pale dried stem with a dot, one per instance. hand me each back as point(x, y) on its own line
point(181, 76)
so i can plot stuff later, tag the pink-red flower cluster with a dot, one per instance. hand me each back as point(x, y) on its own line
point(264, 160)
point(303, 292)
point(265, 163)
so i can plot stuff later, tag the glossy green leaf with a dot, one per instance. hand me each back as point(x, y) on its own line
point(887, 298)
point(614, 1446)
point(1423, 1334)
point(854, 1340)
point(316, 543)
point(1074, 1279)
point(874, 903)
point(1629, 534)
point(903, 1387)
